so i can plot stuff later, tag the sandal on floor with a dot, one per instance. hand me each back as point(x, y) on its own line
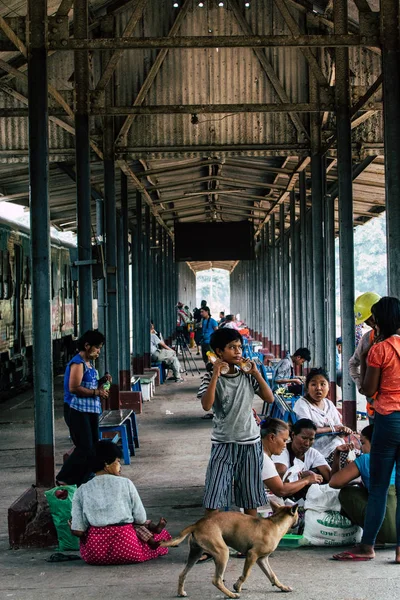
point(205, 558)
point(60, 557)
point(208, 416)
point(348, 556)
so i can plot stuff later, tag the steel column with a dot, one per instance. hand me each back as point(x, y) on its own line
point(265, 275)
point(281, 289)
point(318, 176)
point(40, 245)
point(303, 258)
point(82, 153)
point(101, 283)
point(330, 266)
point(311, 324)
point(346, 236)
point(146, 288)
point(287, 319)
point(298, 289)
point(112, 345)
point(123, 288)
point(317, 207)
point(293, 256)
point(391, 109)
point(275, 273)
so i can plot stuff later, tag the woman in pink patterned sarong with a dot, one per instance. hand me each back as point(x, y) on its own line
point(109, 518)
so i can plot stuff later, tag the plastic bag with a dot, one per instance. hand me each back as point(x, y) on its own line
point(60, 503)
point(322, 497)
point(330, 528)
point(324, 525)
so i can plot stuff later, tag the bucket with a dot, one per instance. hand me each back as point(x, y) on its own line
point(146, 391)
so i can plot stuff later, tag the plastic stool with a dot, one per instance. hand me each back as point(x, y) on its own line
point(135, 384)
point(124, 422)
point(161, 369)
point(125, 432)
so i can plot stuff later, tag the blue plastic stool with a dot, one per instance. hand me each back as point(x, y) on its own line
point(161, 369)
point(123, 433)
point(135, 384)
point(124, 422)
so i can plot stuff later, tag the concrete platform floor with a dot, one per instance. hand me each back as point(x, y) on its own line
point(168, 471)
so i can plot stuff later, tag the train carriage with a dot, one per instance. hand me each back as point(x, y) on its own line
point(16, 305)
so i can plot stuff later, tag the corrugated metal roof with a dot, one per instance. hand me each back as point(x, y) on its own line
point(222, 167)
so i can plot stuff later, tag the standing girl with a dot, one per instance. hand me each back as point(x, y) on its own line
point(380, 372)
point(83, 395)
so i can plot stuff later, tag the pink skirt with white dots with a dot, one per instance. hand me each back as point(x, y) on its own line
point(118, 545)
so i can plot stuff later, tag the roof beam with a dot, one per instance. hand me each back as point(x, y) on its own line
point(290, 186)
point(333, 190)
point(346, 40)
point(64, 8)
point(232, 181)
point(269, 71)
point(123, 165)
point(316, 70)
point(12, 36)
point(63, 124)
point(66, 168)
point(114, 59)
point(123, 132)
point(179, 109)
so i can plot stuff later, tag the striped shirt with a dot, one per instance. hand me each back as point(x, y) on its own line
point(233, 417)
point(90, 404)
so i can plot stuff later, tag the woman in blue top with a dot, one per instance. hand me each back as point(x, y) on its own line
point(208, 326)
point(353, 498)
point(83, 394)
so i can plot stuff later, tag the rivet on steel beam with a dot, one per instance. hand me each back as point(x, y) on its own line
point(64, 42)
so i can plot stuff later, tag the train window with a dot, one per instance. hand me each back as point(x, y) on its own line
point(1, 274)
point(27, 279)
point(65, 282)
point(6, 276)
point(52, 279)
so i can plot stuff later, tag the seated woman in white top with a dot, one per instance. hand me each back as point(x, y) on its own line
point(274, 435)
point(109, 518)
point(316, 407)
point(299, 459)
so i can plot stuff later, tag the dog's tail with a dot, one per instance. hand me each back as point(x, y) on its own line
point(176, 541)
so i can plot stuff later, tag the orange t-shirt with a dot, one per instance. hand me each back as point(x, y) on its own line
point(386, 356)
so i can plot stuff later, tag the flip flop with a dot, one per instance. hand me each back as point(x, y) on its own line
point(208, 416)
point(60, 557)
point(206, 558)
point(349, 556)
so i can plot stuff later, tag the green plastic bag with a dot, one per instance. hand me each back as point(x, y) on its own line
point(60, 503)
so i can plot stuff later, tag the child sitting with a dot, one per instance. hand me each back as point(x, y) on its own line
point(236, 453)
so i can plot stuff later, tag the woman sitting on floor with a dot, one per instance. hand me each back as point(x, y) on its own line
point(354, 498)
point(274, 435)
point(324, 414)
point(109, 518)
point(299, 459)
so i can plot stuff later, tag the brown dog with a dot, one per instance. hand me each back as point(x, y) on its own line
point(252, 536)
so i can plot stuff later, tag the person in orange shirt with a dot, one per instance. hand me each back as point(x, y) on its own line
point(380, 372)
